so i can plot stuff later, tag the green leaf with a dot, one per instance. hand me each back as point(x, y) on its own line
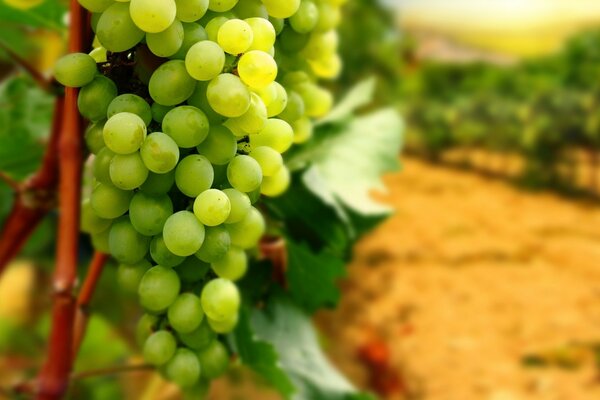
point(313, 277)
point(260, 356)
point(291, 332)
point(359, 96)
point(350, 160)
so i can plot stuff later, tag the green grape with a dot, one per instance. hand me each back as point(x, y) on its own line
point(303, 130)
point(205, 60)
point(235, 36)
point(295, 78)
point(127, 171)
point(214, 360)
point(94, 138)
point(329, 16)
point(250, 8)
point(183, 368)
point(321, 43)
point(185, 314)
point(130, 103)
point(159, 111)
point(247, 233)
point(159, 348)
point(228, 95)
point(291, 41)
point(167, 42)
point(277, 184)
point(329, 67)
point(187, 125)
point(162, 255)
point(94, 98)
point(222, 5)
point(294, 108)
point(116, 30)
point(269, 159)
point(198, 339)
point(194, 175)
point(148, 214)
point(306, 18)
point(90, 222)
point(145, 327)
point(95, 6)
point(318, 101)
point(192, 34)
point(220, 299)
point(263, 34)
point(124, 133)
point(213, 26)
point(158, 183)
point(212, 207)
point(110, 202)
point(100, 241)
point(254, 120)
point(183, 234)
point(153, 15)
point(220, 146)
point(244, 173)
point(277, 134)
point(160, 153)
point(257, 69)
point(170, 84)
point(224, 327)
point(99, 54)
point(158, 289)
point(101, 167)
point(199, 100)
point(275, 98)
point(191, 10)
point(278, 24)
point(129, 276)
point(75, 70)
point(281, 8)
point(216, 244)
point(192, 270)
point(240, 205)
point(233, 265)
point(126, 244)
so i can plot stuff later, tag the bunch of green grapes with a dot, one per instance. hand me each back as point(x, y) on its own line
point(192, 104)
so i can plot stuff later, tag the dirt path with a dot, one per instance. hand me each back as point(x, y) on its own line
point(467, 278)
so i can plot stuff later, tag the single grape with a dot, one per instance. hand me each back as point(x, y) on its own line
point(158, 289)
point(247, 233)
point(185, 314)
point(216, 244)
point(116, 30)
point(303, 130)
point(306, 18)
point(255, 119)
point(233, 265)
point(129, 276)
point(277, 134)
point(153, 15)
point(220, 145)
point(127, 171)
point(294, 108)
point(75, 70)
point(94, 138)
point(244, 173)
point(277, 184)
point(166, 43)
point(183, 368)
point(329, 16)
point(235, 36)
point(281, 8)
point(160, 153)
point(222, 5)
point(268, 158)
point(160, 347)
point(126, 244)
point(250, 9)
point(198, 339)
point(183, 234)
point(292, 42)
point(90, 222)
point(263, 34)
point(192, 34)
point(228, 95)
point(240, 205)
point(110, 202)
point(212, 207)
point(101, 167)
point(187, 125)
point(194, 175)
point(94, 98)
point(191, 10)
point(320, 44)
point(99, 54)
point(224, 327)
point(148, 214)
point(124, 133)
point(162, 255)
point(214, 360)
point(220, 299)
point(257, 69)
point(146, 325)
point(192, 270)
point(205, 60)
point(318, 101)
point(170, 84)
point(158, 183)
point(130, 103)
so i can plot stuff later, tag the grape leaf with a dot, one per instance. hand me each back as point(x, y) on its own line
point(359, 96)
point(291, 333)
point(312, 277)
point(260, 356)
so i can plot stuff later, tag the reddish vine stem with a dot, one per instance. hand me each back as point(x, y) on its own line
point(53, 380)
point(37, 76)
point(85, 296)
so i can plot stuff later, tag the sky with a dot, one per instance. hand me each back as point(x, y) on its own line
point(521, 27)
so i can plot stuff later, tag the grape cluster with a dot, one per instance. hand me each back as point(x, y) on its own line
point(180, 159)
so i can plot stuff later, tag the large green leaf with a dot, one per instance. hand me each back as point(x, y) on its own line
point(313, 277)
point(359, 96)
point(347, 162)
point(291, 332)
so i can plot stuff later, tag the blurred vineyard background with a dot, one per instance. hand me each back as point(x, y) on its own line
point(485, 284)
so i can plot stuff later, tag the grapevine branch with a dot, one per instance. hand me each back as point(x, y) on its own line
point(38, 77)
